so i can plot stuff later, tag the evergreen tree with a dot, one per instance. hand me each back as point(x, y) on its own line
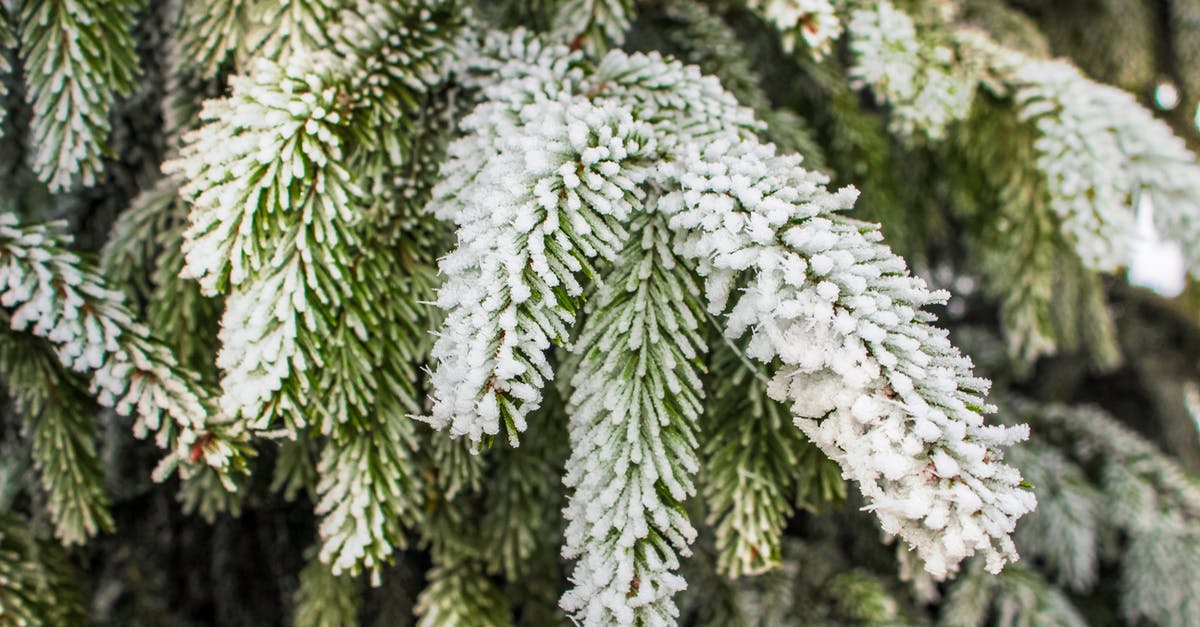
point(701, 312)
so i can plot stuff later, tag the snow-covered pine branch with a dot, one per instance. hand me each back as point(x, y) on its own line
point(78, 57)
point(1101, 151)
point(53, 295)
point(926, 86)
point(816, 22)
point(836, 315)
point(274, 205)
point(1099, 148)
point(1096, 153)
point(322, 331)
point(634, 412)
point(831, 311)
point(538, 189)
point(1144, 495)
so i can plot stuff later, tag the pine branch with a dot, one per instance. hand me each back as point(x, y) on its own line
point(877, 388)
point(815, 22)
point(832, 311)
point(79, 58)
point(1100, 149)
point(53, 295)
point(40, 585)
point(757, 468)
point(636, 401)
point(869, 350)
point(325, 599)
point(925, 83)
point(533, 209)
point(278, 231)
point(460, 594)
point(274, 231)
point(58, 416)
point(1017, 597)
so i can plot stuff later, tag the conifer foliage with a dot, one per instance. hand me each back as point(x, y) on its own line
point(556, 311)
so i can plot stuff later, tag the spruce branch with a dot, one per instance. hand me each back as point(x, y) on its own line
point(868, 349)
point(274, 230)
point(275, 207)
point(323, 326)
point(58, 418)
point(460, 593)
point(78, 58)
point(814, 22)
point(1098, 148)
point(757, 468)
point(1100, 151)
point(53, 295)
point(40, 585)
point(534, 204)
point(1147, 497)
point(831, 311)
point(634, 412)
point(325, 599)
